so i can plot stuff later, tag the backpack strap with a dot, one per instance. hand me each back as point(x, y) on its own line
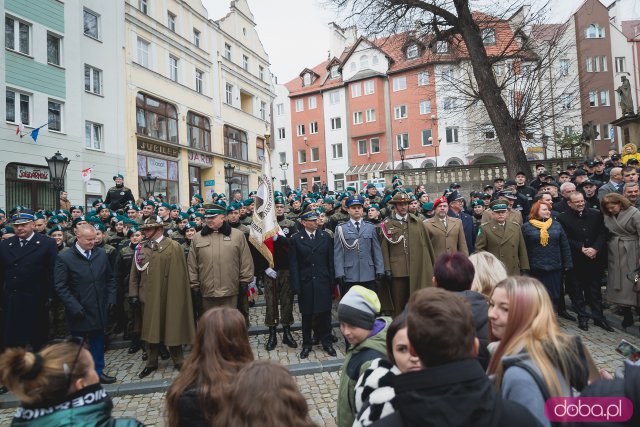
point(356, 362)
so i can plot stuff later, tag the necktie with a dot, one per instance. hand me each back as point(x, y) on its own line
point(444, 222)
point(312, 236)
point(87, 254)
point(358, 226)
point(23, 242)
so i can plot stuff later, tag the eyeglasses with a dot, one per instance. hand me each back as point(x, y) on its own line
point(69, 372)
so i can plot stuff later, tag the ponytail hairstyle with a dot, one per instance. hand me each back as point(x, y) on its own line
point(39, 377)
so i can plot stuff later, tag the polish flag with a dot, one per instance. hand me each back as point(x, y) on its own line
point(20, 128)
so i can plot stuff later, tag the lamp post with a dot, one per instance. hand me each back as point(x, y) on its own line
point(57, 168)
point(401, 149)
point(149, 184)
point(284, 166)
point(228, 175)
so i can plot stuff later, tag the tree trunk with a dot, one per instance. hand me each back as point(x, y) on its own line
point(505, 125)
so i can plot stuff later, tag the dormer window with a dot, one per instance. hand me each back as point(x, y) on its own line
point(364, 62)
point(334, 72)
point(594, 31)
point(412, 51)
point(488, 36)
point(306, 80)
point(442, 46)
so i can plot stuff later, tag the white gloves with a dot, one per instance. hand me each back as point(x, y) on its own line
point(271, 273)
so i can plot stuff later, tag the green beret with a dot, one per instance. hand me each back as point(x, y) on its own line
point(351, 189)
point(77, 207)
point(427, 206)
point(190, 225)
point(99, 226)
point(164, 205)
point(278, 201)
point(248, 201)
point(118, 176)
point(373, 206)
point(129, 222)
point(478, 202)
point(133, 208)
point(132, 230)
point(233, 206)
point(183, 215)
point(54, 229)
point(199, 197)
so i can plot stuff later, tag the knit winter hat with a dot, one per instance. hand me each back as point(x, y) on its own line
point(359, 307)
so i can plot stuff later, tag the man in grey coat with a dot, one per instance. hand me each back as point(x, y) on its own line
point(614, 185)
point(356, 250)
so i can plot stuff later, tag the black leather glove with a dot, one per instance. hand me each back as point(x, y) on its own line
point(379, 276)
point(134, 301)
point(196, 295)
point(80, 315)
point(388, 274)
point(340, 280)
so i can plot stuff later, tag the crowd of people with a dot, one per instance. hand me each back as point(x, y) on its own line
point(439, 298)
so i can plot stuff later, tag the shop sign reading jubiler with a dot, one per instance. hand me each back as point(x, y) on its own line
point(152, 147)
point(29, 173)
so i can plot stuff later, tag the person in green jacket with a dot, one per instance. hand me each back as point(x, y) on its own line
point(58, 387)
point(366, 336)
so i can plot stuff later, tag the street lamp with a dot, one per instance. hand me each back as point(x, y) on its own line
point(284, 166)
point(57, 168)
point(228, 175)
point(401, 149)
point(149, 184)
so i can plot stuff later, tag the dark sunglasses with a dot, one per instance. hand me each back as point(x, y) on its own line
point(69, 372)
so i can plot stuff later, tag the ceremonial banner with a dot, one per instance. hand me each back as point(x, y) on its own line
point(264, 226)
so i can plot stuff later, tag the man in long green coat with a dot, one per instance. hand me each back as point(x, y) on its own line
point(160, 282)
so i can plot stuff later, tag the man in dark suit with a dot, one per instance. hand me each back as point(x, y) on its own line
point(86, 286)
point(456, 207)
point(312, 277)
point(26, 267)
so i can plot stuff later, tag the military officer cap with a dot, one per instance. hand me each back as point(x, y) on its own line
point(498, 206)
point(521, 173)
point(198, 197)
point(54, 229)
point(77, 207)
point(118, 176)
point(573, 166)
point(580, 172)
point(152, 222)
point(478, 202)
point(212, 211)
point(233, 206)
point(221, 196)
point(248, 201)
point(23, 216)
point(278, 201)
point(399, 197)
point(190, 225)
point(589, 182)
point(453, 196)
point(311, 215)
point(615, 157)
point(508, 194)
point(354, 200)
point(79, 219)
point(427, 207)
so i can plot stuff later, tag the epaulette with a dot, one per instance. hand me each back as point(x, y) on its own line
point(516, 223)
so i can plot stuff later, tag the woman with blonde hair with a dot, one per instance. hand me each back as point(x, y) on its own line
point(220, 350)
point(58, 386)
point(489, 271)
point(534, 360)
point(622, 220)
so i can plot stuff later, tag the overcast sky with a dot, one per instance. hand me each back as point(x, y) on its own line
point(295, 33)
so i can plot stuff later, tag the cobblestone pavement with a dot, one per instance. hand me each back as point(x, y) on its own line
point(320, 389)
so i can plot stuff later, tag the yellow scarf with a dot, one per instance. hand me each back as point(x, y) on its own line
point(543, 226)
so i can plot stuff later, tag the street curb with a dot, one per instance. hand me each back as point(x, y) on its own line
point(9, 400)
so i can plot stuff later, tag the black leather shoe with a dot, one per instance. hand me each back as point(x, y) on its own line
point(272, 341)
point(135, 347)
point(146, 372)
point(604, 325)
point(287, 338)
point(305, 353)
point(329, 350)
point(565, 315)
point(164, 352)
point(107, 379)
point(583, 324)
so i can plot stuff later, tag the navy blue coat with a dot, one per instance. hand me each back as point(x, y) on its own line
point(27, 273)
point(468, 227)
point(311, 271)
point(85, 285)
point(555, 256)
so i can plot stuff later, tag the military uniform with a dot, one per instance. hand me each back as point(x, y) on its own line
point(506, 243)
point(338, 216)
point(446, 237)
point(293, 215)
point(118, 197)
point(130, 315)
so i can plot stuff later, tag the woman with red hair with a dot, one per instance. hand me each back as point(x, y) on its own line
point(548, 249)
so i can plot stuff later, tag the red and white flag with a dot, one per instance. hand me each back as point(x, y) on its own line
point(86, 174)
point(20, 128)
point(265, 224)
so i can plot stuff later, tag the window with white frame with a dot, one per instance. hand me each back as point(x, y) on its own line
point(604, 97)
point(497, 70)
point(413, 51)
point(302, 156)
point(589, 64)
point(604, 66)
point(313, 102)
point(304, 184)
point(263, 110)
point(313, 127)
point(593, 98)
point(196, 37)
point(423, 78)
point(449, 103)
point(488, 132)
point(362, 147)
point(620, 64)
point(564, 67)
point(92, 80)
point(315, 154)
point(334, 97)
point(357, 117)
point(565, 100)
point(370, 115)
point(228, 92)
point(283, 157)
point(143, 52)
point(374, 145)
point(488, 36)
point(400, 112)
point(336, 123)
point(336, 151)
point(227, 51)
point(245, 62)
point(338, 181)
point(279, 109)
point(356, 90)
point(261, 72)
point(425, 106)
point(402, 140)
point(17, 35)
point(143, 6)
point(596, 64)
point(369, 87)
point(173, 68)
point(199, 80)
point(54, 113)
point(606, 131)
point(282, 133)
point(427, 140)
point(18, 107)
point(93, 135)
point(334, 72)
point(364, 62)
point(306, 79)
point(567, 130)
point(54, 49)
point(451, 133)
point(299, 105)
point(91, 24)
point(399, 83)
point(594, 31)
point(171, 21)
point(300, 130)
point(442, 46)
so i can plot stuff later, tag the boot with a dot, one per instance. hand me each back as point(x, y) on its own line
point(272, 341)
point(136, 345)
point(287, 338)
point(627, 319)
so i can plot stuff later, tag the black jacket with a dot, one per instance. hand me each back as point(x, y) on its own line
point(189, 410)
point(455, 394)
point(585, 230)
point(27, 273)
point(85, 285)
point(467, 227)
point(118, 197)
point(480, 312)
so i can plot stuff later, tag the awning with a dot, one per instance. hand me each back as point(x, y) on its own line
point(367, 168)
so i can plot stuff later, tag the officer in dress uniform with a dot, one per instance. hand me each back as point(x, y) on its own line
point(446, 232)
point(356, 250)
point(119, 196)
